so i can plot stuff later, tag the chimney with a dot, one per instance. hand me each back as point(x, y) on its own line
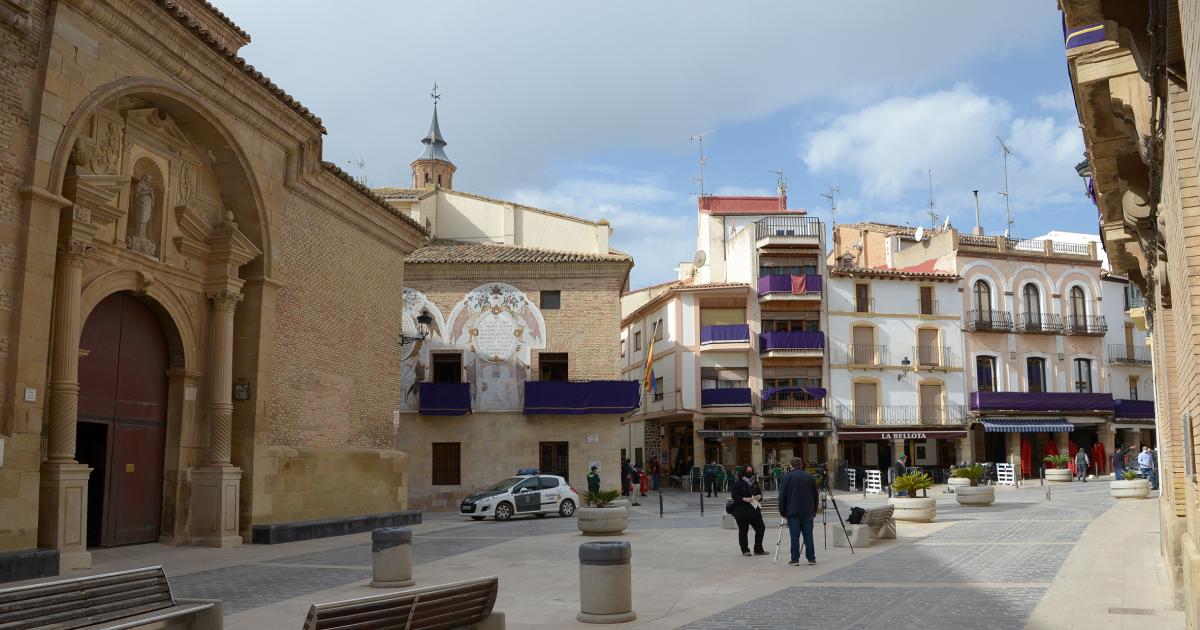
point(978, 231)
point(603, 232)
point(782, 199)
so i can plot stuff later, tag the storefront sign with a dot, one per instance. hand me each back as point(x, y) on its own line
point(901, 435)
point(758, 435)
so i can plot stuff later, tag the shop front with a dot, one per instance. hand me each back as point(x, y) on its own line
point(930, 450)
point(770, 449)
point(1027, 441)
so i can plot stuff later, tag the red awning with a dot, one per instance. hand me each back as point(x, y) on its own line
point(916, 434)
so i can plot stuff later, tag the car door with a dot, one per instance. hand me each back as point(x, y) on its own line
point(551, 493)
point(528, 496)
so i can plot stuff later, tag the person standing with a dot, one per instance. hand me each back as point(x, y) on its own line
point(1146, 466)
point(710, 479)
point(1118, 460)
point(593, 480)
point(635, 484)
point(798, 505)
point(1081, 464)
point(626, 472)
point(898, 470)
point(746, 497)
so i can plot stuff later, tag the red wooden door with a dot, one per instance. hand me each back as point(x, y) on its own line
point(123, 383)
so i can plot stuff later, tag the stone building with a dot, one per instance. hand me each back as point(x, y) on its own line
point(1129, 65)
point(186, 349)
point(518, 364)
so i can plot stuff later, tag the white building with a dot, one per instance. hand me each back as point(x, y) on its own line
point(1128, 362)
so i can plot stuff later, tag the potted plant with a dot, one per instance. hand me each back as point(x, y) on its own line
point(913, 508)
point(971, 493)
point(958, 479)
point(1131, 487)
point(601, 517)
point(1056, 468)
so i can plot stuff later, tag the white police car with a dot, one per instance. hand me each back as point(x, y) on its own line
point(538, 495)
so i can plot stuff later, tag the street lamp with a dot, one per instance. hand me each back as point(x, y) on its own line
point(904, 363)
point(423, 322)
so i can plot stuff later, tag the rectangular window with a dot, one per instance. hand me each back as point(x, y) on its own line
point(553, 458)
point(722, 378)
point(866, 406)
point(447, 367)
point(1133, 382)
point(637, 341)
point(985, 374)
point(552, 366)
point(658, 389)
point(927, 303)
point(658, 329)
point(447, 463)
point(862, 298)
point(929, 353)
point(550, 300)
point(1083, 376)
point(931, 403)
point(1035, 371)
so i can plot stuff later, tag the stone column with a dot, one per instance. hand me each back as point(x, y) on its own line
point(216, 486)
point(62, 511)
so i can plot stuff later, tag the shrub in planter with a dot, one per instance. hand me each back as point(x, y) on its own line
point(972, 474)
point(1131, 487)
point(1056, 468)
point(911, 508)
point(601, 517)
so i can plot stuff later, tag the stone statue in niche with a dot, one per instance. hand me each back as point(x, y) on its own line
point(141, 213)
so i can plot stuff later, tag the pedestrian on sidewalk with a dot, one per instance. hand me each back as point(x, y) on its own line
point(654, 472)
point(746, 499)
point(1146, 466)
point(593, 480)
point(635, 484)
point(798, 506)
point(1081, 464)
point(710, 479)
point(626, 472)
point(898, 470)
point(1118, 460)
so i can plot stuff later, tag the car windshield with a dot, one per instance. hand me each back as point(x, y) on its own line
point(506, 484)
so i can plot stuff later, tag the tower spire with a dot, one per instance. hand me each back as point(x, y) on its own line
point(433, 167)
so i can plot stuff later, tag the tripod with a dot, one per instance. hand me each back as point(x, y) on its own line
point(824, 515)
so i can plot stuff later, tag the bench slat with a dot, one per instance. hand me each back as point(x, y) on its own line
point(95, 601)
point(366, 619)
point(434, 608)
point(17, 596)
point(73, 601)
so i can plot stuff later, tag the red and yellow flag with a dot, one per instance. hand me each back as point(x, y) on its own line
point(648, 379)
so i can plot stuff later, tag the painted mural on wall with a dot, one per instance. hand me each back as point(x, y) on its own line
point(414, 357)
point(497, 327)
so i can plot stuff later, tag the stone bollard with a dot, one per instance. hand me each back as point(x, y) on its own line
point(391, 557)
point(605, 583)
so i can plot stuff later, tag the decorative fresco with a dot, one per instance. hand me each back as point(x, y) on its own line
point(414, 357)
point(497, 327)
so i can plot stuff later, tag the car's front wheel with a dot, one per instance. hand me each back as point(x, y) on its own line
point(504, 511)
point(566, 508)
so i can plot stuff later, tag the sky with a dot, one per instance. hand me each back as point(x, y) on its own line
point(588, 108)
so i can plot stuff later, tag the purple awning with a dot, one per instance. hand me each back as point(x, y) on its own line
point(726, 397)
point(792, 340)
point(784, 284)
point(813, 392)
point(724, 333)
point(1089, 34)
point(582, 397)
point(445, 399)
point(1049, 402)
point(1133, 408)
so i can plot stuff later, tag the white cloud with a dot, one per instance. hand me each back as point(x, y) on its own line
point(1060, 101)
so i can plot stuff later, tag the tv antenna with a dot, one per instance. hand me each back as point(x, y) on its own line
point(1007, 207)
point(781, 182)
point(831, 194)
point(933, 217)
point(361, 165)
point(699, 139)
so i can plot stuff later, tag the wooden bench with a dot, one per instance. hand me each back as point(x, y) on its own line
point(112, 601)
point(449, 606)
point(877, 524)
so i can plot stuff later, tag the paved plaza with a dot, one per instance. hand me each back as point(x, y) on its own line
point(1077, 560)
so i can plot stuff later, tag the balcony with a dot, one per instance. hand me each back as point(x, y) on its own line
point(935, 357)
point(581, 397)
point(861, 355)
point(724, 333)
point(1130, 355)
point(788, 231)
point(899, 415)
point(444, 399)
point(781, 287)
point(725, 397)
point(1038, 324)
point(792, 344)
point(1042, 402)
point(988, 321)
point(1080, 325)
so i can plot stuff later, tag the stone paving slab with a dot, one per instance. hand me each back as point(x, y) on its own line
point(245, 587)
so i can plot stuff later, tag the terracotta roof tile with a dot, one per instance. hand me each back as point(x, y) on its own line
point(400, 193)
point(224, 18)
point(923, 270)
point(451, 251)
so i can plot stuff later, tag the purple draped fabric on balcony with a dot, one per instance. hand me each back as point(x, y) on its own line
point(783, 284)
point(1133, 408)
point(815, 392)
point(581, 397)
point(731, 396)
point(1044, 401)
point(792, 340)
point(445, 399)
point(724, 333)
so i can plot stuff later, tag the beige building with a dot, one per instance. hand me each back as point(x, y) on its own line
point(517, 367)
point(175, 363)
point(1139, 118)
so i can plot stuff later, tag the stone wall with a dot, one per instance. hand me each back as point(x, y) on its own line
point(311, 483)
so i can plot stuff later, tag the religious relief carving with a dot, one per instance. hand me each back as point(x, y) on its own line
point(107, 153)
point(83, 154)
point(187, 184)
point(225, 299)
point(141, 212)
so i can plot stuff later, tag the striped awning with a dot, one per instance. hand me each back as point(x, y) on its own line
point(1027, 425)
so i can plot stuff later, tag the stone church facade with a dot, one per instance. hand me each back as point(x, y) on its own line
point(175, 293)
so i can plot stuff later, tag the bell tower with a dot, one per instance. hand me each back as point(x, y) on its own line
point(432, 168)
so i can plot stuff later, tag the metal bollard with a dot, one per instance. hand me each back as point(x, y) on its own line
point(605, 582)
point(391, 557)
point(701, 504)
point(660, 504)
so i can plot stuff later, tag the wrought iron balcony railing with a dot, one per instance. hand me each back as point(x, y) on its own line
point(1090, 326)
point(1039, 323)
point(988, 321)
point(1121, 353)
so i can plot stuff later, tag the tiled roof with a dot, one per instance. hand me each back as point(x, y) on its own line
point(380, 201)
point(686, 285)
point(197, 29)
point(721, 205)
point(224, 18)
point(450, 251)
point(924, 270)
point(400, 193)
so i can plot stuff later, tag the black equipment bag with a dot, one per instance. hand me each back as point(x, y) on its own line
point(857, 515)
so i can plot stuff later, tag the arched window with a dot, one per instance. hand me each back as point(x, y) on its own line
point(1078, 308)
point(983, 296)
point(1033, 304)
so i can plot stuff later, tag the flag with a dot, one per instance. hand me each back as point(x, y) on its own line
point(648, 380)
point(799, 285)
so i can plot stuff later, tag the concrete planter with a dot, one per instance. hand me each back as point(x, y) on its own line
point(1132, 489)
point(605, 521)
point(1058, 475)
point(957, 482)
point(975, 495)
point(914, 509)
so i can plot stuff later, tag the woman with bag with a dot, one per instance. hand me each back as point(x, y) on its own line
point(746, 499)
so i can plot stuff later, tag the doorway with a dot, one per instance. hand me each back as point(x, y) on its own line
point(122, 426)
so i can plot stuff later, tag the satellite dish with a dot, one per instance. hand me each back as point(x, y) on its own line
point(919, 234)
point(699, 259)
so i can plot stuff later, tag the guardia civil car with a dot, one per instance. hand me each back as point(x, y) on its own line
point(538, 495)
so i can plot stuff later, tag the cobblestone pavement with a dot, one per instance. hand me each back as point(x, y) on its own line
point(989, 569)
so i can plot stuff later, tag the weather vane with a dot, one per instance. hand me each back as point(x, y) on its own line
point(434, 94)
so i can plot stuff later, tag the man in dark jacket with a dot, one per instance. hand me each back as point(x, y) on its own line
point(898, 470)
point(626, 472)
point(593, 480)
point(1118, 461)
point(746, 496)
point(710, 479)
point(798, 504)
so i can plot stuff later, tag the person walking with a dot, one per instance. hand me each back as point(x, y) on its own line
point(898, 470)
point(626, 472)
point(635, 484)
point(710, 479)
point(1081, 464)
point(798, 506)
point(746, 499)
point(654, 468)
point(1118, 460)
point(1146, 466)
point(593, 480)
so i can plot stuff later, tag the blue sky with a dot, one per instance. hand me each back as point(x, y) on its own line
point(587, 108)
